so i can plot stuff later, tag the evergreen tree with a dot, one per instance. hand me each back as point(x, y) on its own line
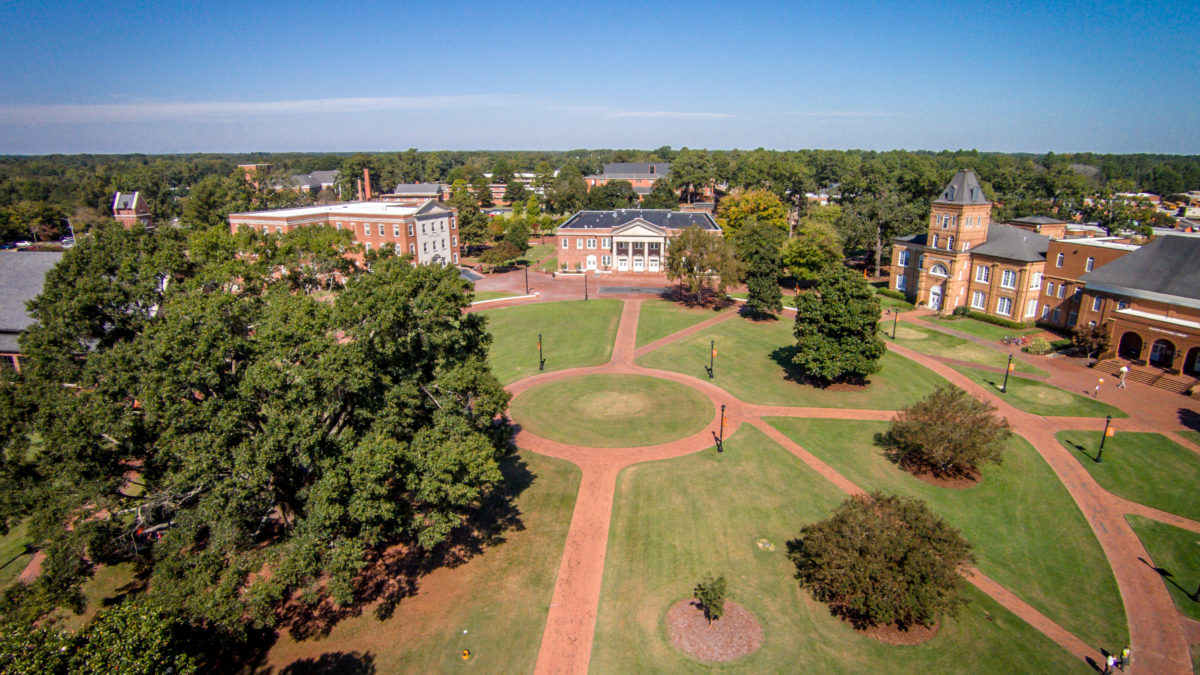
point(836, 328)
point(758, 249)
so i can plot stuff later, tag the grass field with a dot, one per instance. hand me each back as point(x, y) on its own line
point(1027, 531)
point(549, 264)
point(936, 343)
point(535, 253)
point(660, 318)
point(1041, 398)
point(493, 295)
point(1146, 468)
point(678, 520)
point(1176, 553)
point(574, 333)
point(13, 557)
point(611, 411)
point(1193, 436)
point(753, 360)
point(980, 329)
point(501, 596)
point(104, 588)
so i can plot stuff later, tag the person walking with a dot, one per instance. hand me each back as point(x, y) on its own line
point(1124, 371)
point(1124, 659)
point(1096, 391)
point(1110, 662)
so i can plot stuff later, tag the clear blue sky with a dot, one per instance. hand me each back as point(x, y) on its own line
point(245, 76)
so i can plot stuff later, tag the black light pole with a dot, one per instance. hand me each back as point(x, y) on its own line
point(1007, 370)
point(895, 318)
point(712, 355)
point(585, 286)
point(541, 361)
point(721, 438)
point(527, 279)
point(1100, 452)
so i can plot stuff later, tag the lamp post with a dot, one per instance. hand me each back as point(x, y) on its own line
point(585, 294)
point(541, 361)
point(526, 278)
point(712, 355)
point(895, 318)
point(1007, 370)
point(721, 437)
point(1107, 433)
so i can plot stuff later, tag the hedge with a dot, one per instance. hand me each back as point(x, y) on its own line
point(892, 294)
point(980, 316)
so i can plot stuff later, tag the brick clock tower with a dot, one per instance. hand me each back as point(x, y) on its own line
point(958, 222)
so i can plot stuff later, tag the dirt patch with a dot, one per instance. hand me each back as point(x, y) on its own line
point(954, 483)
point(894, 635)
point(734, 635)
point(845, 386)
point(613, 405)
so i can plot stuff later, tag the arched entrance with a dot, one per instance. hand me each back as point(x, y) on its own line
point(1191, 364)
point(1130, 346)
point(935, 297)
point(1162, 353)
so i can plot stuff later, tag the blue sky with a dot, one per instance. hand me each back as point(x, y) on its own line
point(249, 76)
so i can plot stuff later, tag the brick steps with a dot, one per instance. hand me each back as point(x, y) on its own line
point(1170, 383)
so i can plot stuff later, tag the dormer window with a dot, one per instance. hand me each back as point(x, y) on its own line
point(950, 193)
point(972, 193)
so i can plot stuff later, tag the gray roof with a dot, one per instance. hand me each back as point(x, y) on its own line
point(672, 220)
point(629, 170)
point(1166, 266)
point(915, 239)
point(1038, 220)
point(964, 188)
point(418, 189)
point(22, 275)
point(316, 178)
point(125, 200)
point(1013, 243)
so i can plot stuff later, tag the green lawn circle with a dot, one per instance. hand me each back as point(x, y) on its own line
point(612, 411)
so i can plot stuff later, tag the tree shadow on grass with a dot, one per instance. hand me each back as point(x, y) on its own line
point(333, 663)
point(706, 297)
point(782, 356)
point(393, 573)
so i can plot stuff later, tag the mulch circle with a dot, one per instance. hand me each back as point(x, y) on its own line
point(893, 635)
point(956, 483)
point(736, 634)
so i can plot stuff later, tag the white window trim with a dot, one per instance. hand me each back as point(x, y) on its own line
point(1089, 264)
point(1000, 305)
point(591, 243)
point(578, 243)
point(1004, 276)
point(983, 274)
point(1031, 308)
point(978, 300)
point(1058, 261)
point(566, 243)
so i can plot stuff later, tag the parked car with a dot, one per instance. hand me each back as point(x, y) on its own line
point(24, 244)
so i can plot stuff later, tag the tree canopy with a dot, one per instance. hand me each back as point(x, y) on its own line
point(816, 247)
point(266, 425)
point(758, 249)
point(703, 259)
point(883, 560)
point(761, 205)
point(837, 328)
point(947, 434)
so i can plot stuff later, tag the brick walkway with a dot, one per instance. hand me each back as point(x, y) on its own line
point(1157, 632)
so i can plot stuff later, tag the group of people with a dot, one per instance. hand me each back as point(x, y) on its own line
point(1116, 661)
point(1120, 383)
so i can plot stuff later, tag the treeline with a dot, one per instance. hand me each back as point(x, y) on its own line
point(37, 193)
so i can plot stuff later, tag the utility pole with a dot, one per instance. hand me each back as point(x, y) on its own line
point(585, 293)
point(1007, 370)
point(526, 278)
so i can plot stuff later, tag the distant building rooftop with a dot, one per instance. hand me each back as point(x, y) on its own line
point(672, 220)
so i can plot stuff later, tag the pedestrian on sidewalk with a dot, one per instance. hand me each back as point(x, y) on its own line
point(1124, 659)
point(1096, 391)
point(1124, 371)
point(1110, 662)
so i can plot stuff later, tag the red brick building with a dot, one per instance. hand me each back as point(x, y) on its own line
point(130, 209)
point(1067, 260)
point(428, 232)
point(624, 240)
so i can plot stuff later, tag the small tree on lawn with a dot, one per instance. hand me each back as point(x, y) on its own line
point(758, 248)
point(499, 254)
point(702, 259)
point(711, 594)
point(517, 233)
point(836, 328)
point(883, 560)
point(1091, 340)
point(948, 434)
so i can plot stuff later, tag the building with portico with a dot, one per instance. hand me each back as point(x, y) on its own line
point(624, 240)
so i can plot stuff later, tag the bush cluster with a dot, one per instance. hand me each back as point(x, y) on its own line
point(999, 321)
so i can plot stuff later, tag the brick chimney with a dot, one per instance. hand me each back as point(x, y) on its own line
point(367, 182)
point(360, 190)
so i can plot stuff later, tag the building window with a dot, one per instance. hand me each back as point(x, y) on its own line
point(1045, 311)
point(1077, 292)
point(605, 243)
point(339, 226)
point(1087, 266)
point(381, 229)
point(606, 260)
point(578, 243)
point(1031, 308)
point(935, 241)
point(950, 242)
point(938, 270)
point(1050, 288)
point(368, 247)
point(425, 247)
point(1004, 306)
point(395, 230)
point(1121, 304)
point(1062, 288)
point(978, 300)
point(455, 240)
point(455, 256)
point(966, 246)
point(566, 244)
point(903, 257)
point(982, 274)
point(901, 283)
point(1058, 262)
point(410, 229)
point(398, 249)
point(278, 229)
point(266, 229)
point(591, 242)
point(1072, 318)
point(1056, 315)
point(1008, 279)
point(1035, 282)
point(412, 248)
point(1095, 304)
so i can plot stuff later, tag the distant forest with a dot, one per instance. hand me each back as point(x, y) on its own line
point(38, 193)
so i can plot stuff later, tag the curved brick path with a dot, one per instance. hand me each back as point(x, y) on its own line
point(1157, 633)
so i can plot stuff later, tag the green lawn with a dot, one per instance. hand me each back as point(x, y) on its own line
point(500, 596)
point(980, 329)
point(886, 302)
point(752, 364)
point(535, 253)
point(678, 520)
point(660, 318)
point(574, 333)
point(493, 295)
point(550, 264)
point(1041, 398)
point(1146, 468)
point(1176, 553)
point(1027, 531)
point(1193, 436)
point(936, 343)
point(108, 583)
point(612, 411)
point(13, 557)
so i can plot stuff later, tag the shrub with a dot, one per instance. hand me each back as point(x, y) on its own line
point(1091, 340)
point(961, 311)
point(999, 321)
point(711, 594)
point(1038, 346)
point(887, 292)
point(883, 560)
point(947, 434)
